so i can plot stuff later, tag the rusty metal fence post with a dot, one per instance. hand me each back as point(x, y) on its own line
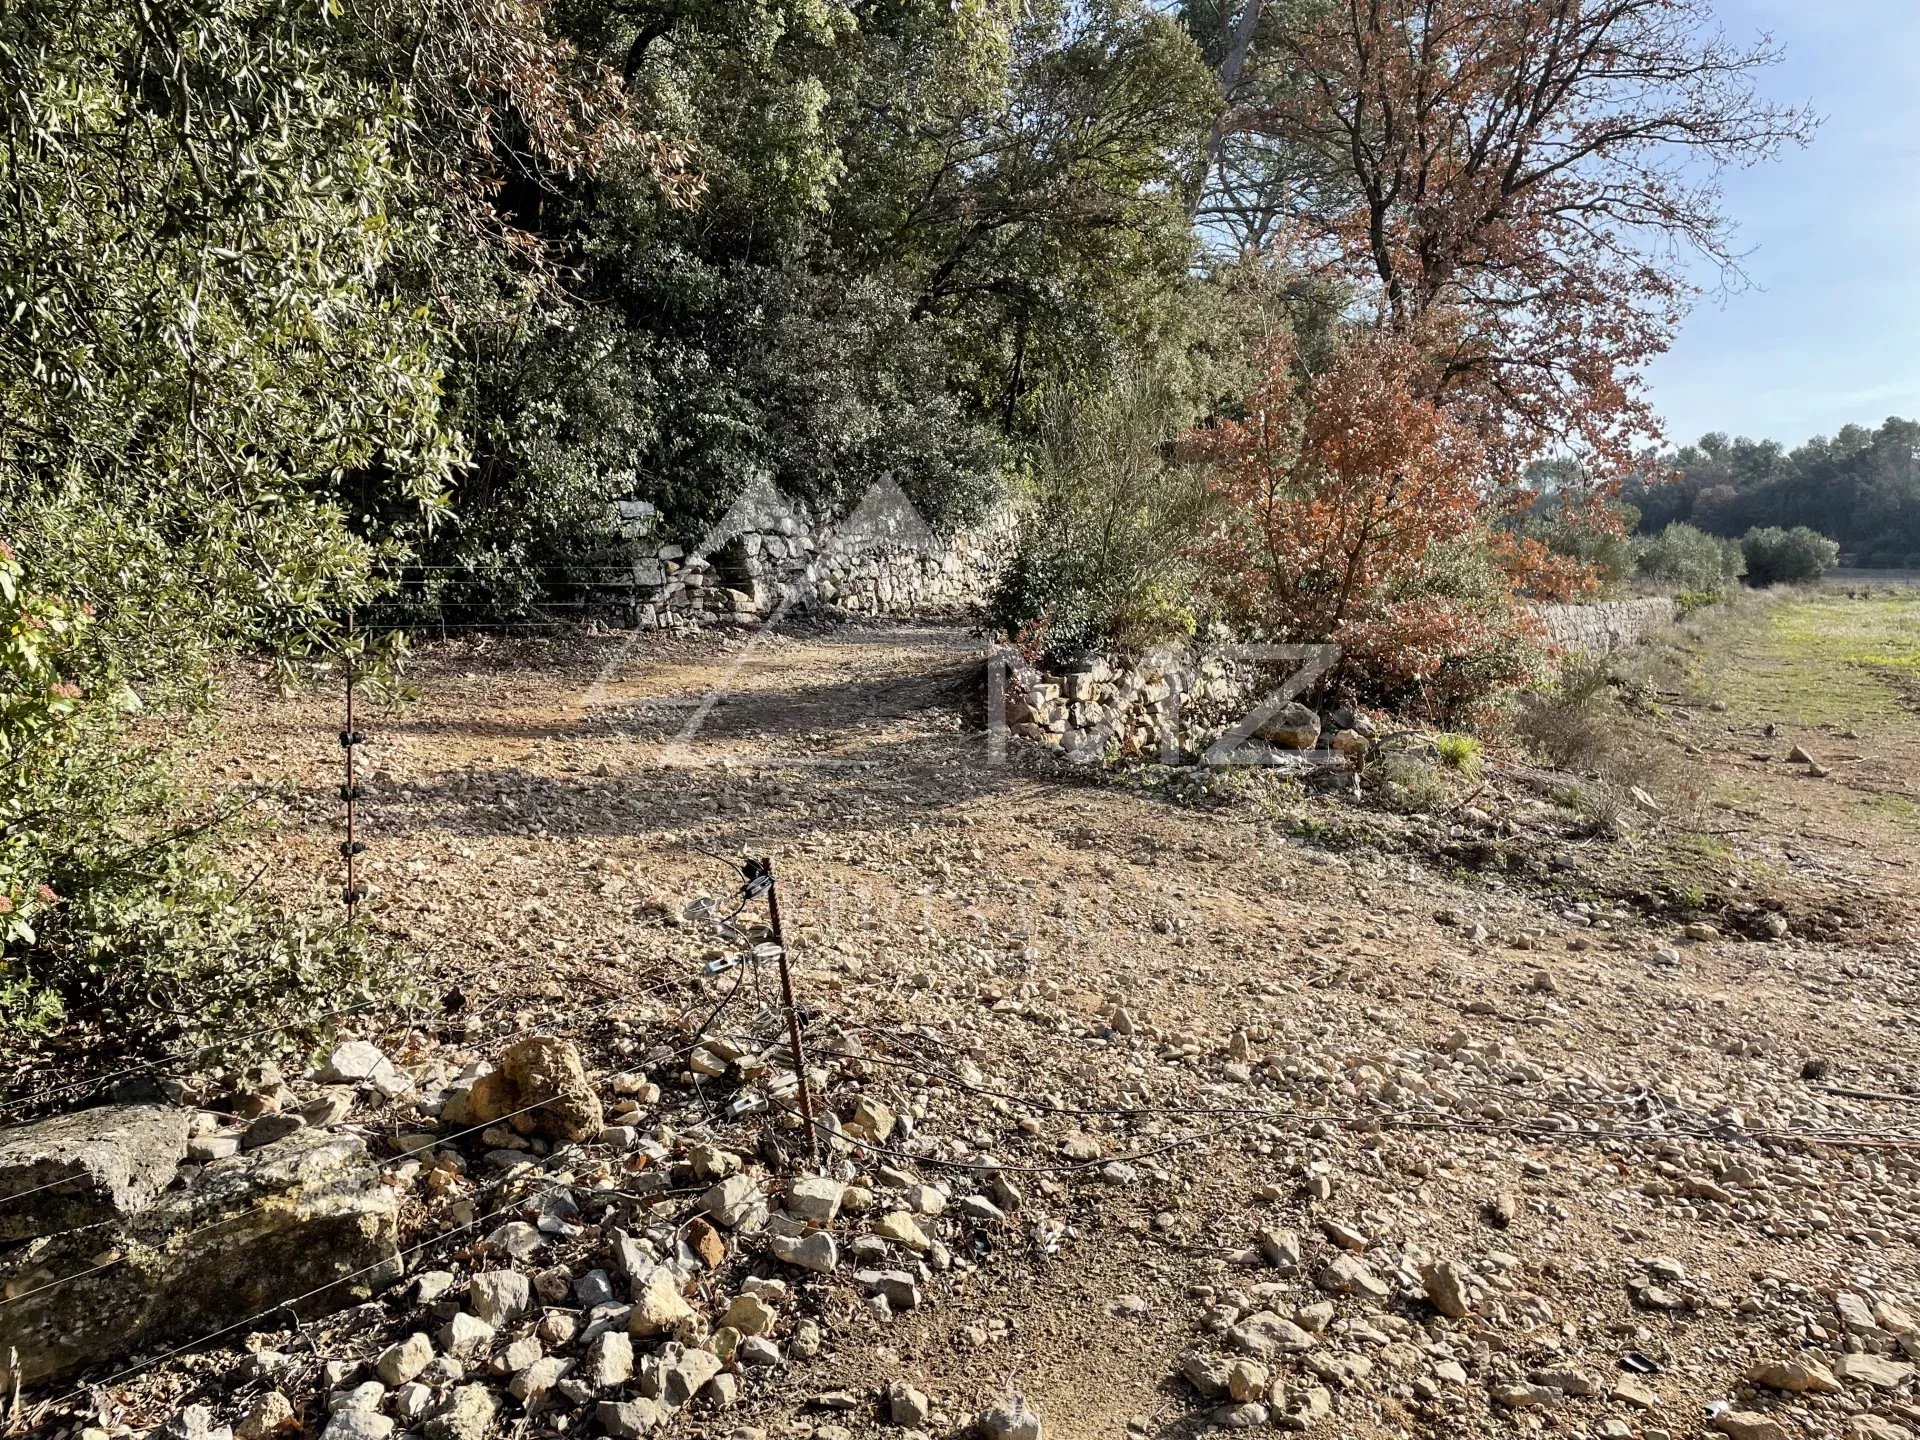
point(793, 1013)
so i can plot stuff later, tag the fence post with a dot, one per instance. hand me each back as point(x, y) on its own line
point(350, 741)
point(793, 1014)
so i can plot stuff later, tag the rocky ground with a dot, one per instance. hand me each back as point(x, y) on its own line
point(1152, 1104)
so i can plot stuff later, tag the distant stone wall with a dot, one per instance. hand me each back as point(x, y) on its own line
point(881, 560)
point(765, 555)
point(1608, 625)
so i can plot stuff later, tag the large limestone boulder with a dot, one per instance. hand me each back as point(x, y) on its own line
point(304, 1221)
point(87, 1168)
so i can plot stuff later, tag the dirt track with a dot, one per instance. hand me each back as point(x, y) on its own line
point(1282, 999)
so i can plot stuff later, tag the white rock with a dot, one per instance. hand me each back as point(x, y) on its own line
point(1012, 1419)
point(608, 1361)
point(402, 1362)
point(499, 1296)
point(734, 1202)
point(658, 1306)
point(813, 1197)
point(354, 1423)
point(816, 1252)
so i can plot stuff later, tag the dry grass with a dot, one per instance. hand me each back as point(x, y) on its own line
point(1577, 723)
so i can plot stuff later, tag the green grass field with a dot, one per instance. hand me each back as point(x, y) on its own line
point(1824, 659)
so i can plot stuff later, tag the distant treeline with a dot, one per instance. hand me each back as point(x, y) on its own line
point(1861, 488)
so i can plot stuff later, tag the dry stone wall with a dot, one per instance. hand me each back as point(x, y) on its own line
point(768, 556)
point(1175, 702)
point(1610, 625)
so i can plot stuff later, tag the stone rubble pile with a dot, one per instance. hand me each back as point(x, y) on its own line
point(1346, 1323)
point(617, 1254)
point(1175, 704)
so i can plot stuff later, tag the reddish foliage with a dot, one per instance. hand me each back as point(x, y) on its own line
point(1349, 498)
point(1539, 572)
point(1513, 184)
point(1503, 189)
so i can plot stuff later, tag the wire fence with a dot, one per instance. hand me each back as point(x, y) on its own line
point(701, 1037)
point(227, 1221)
point(774, 1019)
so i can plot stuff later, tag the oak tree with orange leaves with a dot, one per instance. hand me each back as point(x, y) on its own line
point(1507, 193)
point(1355, 515)
point(1517, 186)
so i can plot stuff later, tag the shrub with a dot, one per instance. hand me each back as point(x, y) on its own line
point(1601, 806)
point(1573, 523)
point(1411, 784)
point(1104, 553)
point(1571, 724)
point(1691, 602)
point(1787, 557)
point(1459, 752)
point(1354, 515)
point(1689, 561)
point(114, 911)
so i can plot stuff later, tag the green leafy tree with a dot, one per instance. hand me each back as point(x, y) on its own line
point(914, 223)
point(1787, 557)
point(1104, 554)
point(222, 231)
point(192, 202)
point(1688, 560)
point(1859, 487)
point(114, 910)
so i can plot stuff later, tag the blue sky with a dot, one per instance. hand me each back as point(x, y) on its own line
point(1830, 331)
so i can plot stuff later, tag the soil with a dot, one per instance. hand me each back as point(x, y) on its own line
point(1333, 1016)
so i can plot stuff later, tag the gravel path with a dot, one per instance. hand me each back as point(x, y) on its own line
point(1310, 1098)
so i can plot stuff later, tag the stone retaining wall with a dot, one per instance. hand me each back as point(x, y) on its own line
point(1174, 702)
point(1598, 629)
point(1171, 704)
point(768, 555)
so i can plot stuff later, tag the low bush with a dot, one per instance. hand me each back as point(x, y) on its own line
point(1572, 723)
point(1787, 557)
point(1689, 561)
point(1601, 806)
point(1410, 783)
point(1104, 553)
point(1459, 752)
point(116, 915)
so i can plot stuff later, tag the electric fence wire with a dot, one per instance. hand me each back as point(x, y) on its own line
point(625, 998)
